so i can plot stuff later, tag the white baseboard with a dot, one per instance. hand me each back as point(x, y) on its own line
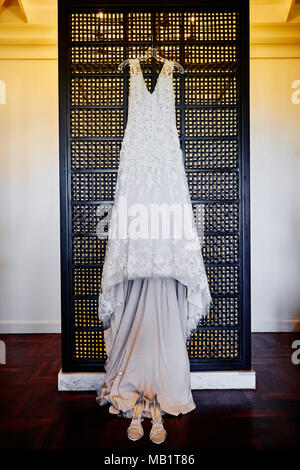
point(263, 326)
point(206, 380)
point(275, 326)
point(10, 327)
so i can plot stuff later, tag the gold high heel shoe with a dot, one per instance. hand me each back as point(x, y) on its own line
point(158, 433)
point(135, 430)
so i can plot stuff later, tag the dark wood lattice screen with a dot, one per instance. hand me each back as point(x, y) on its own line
point(211, 43)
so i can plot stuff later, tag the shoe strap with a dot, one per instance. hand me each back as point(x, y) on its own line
point(136, 424)
point(142, 402)
point(137, 420)
point(157, 421)
point(137, 428)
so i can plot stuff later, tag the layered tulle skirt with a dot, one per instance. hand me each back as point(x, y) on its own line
point(146, 349)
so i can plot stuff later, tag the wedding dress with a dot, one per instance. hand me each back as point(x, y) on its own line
point(154, 288)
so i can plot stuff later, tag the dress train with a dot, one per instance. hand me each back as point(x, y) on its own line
point(146, 349)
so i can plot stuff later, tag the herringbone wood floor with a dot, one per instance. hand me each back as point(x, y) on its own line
point(34, 415)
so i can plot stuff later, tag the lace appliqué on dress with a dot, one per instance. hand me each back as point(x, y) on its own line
point(151, 170)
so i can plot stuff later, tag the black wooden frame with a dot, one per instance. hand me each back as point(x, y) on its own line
point(64, 6)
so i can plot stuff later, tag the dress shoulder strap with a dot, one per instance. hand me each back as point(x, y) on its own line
point(169, 68)
point(134, 66)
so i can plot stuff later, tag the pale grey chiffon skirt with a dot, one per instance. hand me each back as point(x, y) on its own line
point(146, 349)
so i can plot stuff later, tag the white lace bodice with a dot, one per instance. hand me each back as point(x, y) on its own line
point(151, 171)
point(150, 133)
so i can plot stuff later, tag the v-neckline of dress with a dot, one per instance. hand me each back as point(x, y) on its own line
point(159, 75)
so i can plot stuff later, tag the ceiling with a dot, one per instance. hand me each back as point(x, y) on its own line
point(274, 28)
point(45, 11)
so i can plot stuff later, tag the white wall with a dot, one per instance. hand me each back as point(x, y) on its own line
point(275, 201)
point(29, 218)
